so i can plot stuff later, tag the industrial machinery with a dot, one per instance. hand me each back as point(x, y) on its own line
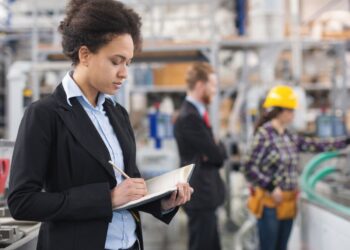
point(14, 235)
point(323, 220)
point(22, 89)
point(324, 208)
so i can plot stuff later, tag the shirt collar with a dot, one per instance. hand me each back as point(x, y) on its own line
point(268, 126)
point(199, 105)
point(72, 90)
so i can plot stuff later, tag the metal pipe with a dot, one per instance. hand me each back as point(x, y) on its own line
point(296, 43)
point(35, 52)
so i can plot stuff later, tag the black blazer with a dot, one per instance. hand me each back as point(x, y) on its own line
point(196, 141)
point(60, 173)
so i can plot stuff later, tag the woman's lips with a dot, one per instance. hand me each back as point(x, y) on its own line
point(117, 85)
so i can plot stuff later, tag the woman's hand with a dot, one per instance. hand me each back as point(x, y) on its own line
point(179, 197)
point(277, 195)
point(129, 190)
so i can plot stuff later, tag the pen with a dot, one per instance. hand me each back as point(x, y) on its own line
point(119, 170)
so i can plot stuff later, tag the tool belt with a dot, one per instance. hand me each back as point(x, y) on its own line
point(261, 198)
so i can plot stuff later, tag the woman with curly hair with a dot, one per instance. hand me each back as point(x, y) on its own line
point(60, 172)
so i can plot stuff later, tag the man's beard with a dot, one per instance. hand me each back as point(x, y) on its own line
point(206, 99)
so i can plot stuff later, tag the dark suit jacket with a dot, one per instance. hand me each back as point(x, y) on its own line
point(195, 140)
point(60, 173)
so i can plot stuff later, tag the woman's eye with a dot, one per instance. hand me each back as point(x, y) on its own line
point(119, 62)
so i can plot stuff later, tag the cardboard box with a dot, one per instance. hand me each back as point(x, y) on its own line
point(172, 74)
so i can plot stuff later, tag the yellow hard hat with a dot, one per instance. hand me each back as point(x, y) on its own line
point(281, 96)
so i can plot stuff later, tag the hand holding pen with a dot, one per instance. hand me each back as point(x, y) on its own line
point(128, 190)
point(119, 170)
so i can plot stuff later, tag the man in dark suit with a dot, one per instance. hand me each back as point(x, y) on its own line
point(197, 144)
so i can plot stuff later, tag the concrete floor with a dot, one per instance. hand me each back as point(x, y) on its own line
point(159, 236)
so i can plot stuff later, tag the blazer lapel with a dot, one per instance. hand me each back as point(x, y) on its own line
point(80, 125)
point(189, 107)
point(116, 121)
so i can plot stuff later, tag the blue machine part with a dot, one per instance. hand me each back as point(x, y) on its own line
point(330, 125)
point(241, 16)
point(160, 127)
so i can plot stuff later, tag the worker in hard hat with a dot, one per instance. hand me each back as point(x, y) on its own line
point(271, 167)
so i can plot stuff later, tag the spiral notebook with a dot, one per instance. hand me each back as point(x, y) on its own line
point(161, 186)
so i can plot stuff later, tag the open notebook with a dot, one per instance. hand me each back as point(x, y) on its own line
point(161, 186)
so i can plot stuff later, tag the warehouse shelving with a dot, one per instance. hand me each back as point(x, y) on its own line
point(173, 52)
point(170, 52)
point(155, 16)
point(158, 49)
point(319, 87)
point(268, 51)
point(176, 52)
point(159, 89)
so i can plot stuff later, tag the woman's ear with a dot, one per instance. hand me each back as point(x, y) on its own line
point(84, 55)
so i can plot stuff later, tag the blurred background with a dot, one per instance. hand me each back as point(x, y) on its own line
point(253, 45)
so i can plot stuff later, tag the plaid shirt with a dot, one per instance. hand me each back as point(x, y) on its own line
point(273, 158)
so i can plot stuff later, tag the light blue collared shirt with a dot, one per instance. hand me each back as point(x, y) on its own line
point(121, 231)
point(199, 105)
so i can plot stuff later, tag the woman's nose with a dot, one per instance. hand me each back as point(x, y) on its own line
point(123, 72)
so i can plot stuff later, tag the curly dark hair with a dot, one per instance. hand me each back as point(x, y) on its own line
point(94, 23)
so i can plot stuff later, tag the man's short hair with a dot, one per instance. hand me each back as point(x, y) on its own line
point(199, 71)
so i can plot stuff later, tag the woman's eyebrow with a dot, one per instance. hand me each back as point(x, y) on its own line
point(122, 57)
